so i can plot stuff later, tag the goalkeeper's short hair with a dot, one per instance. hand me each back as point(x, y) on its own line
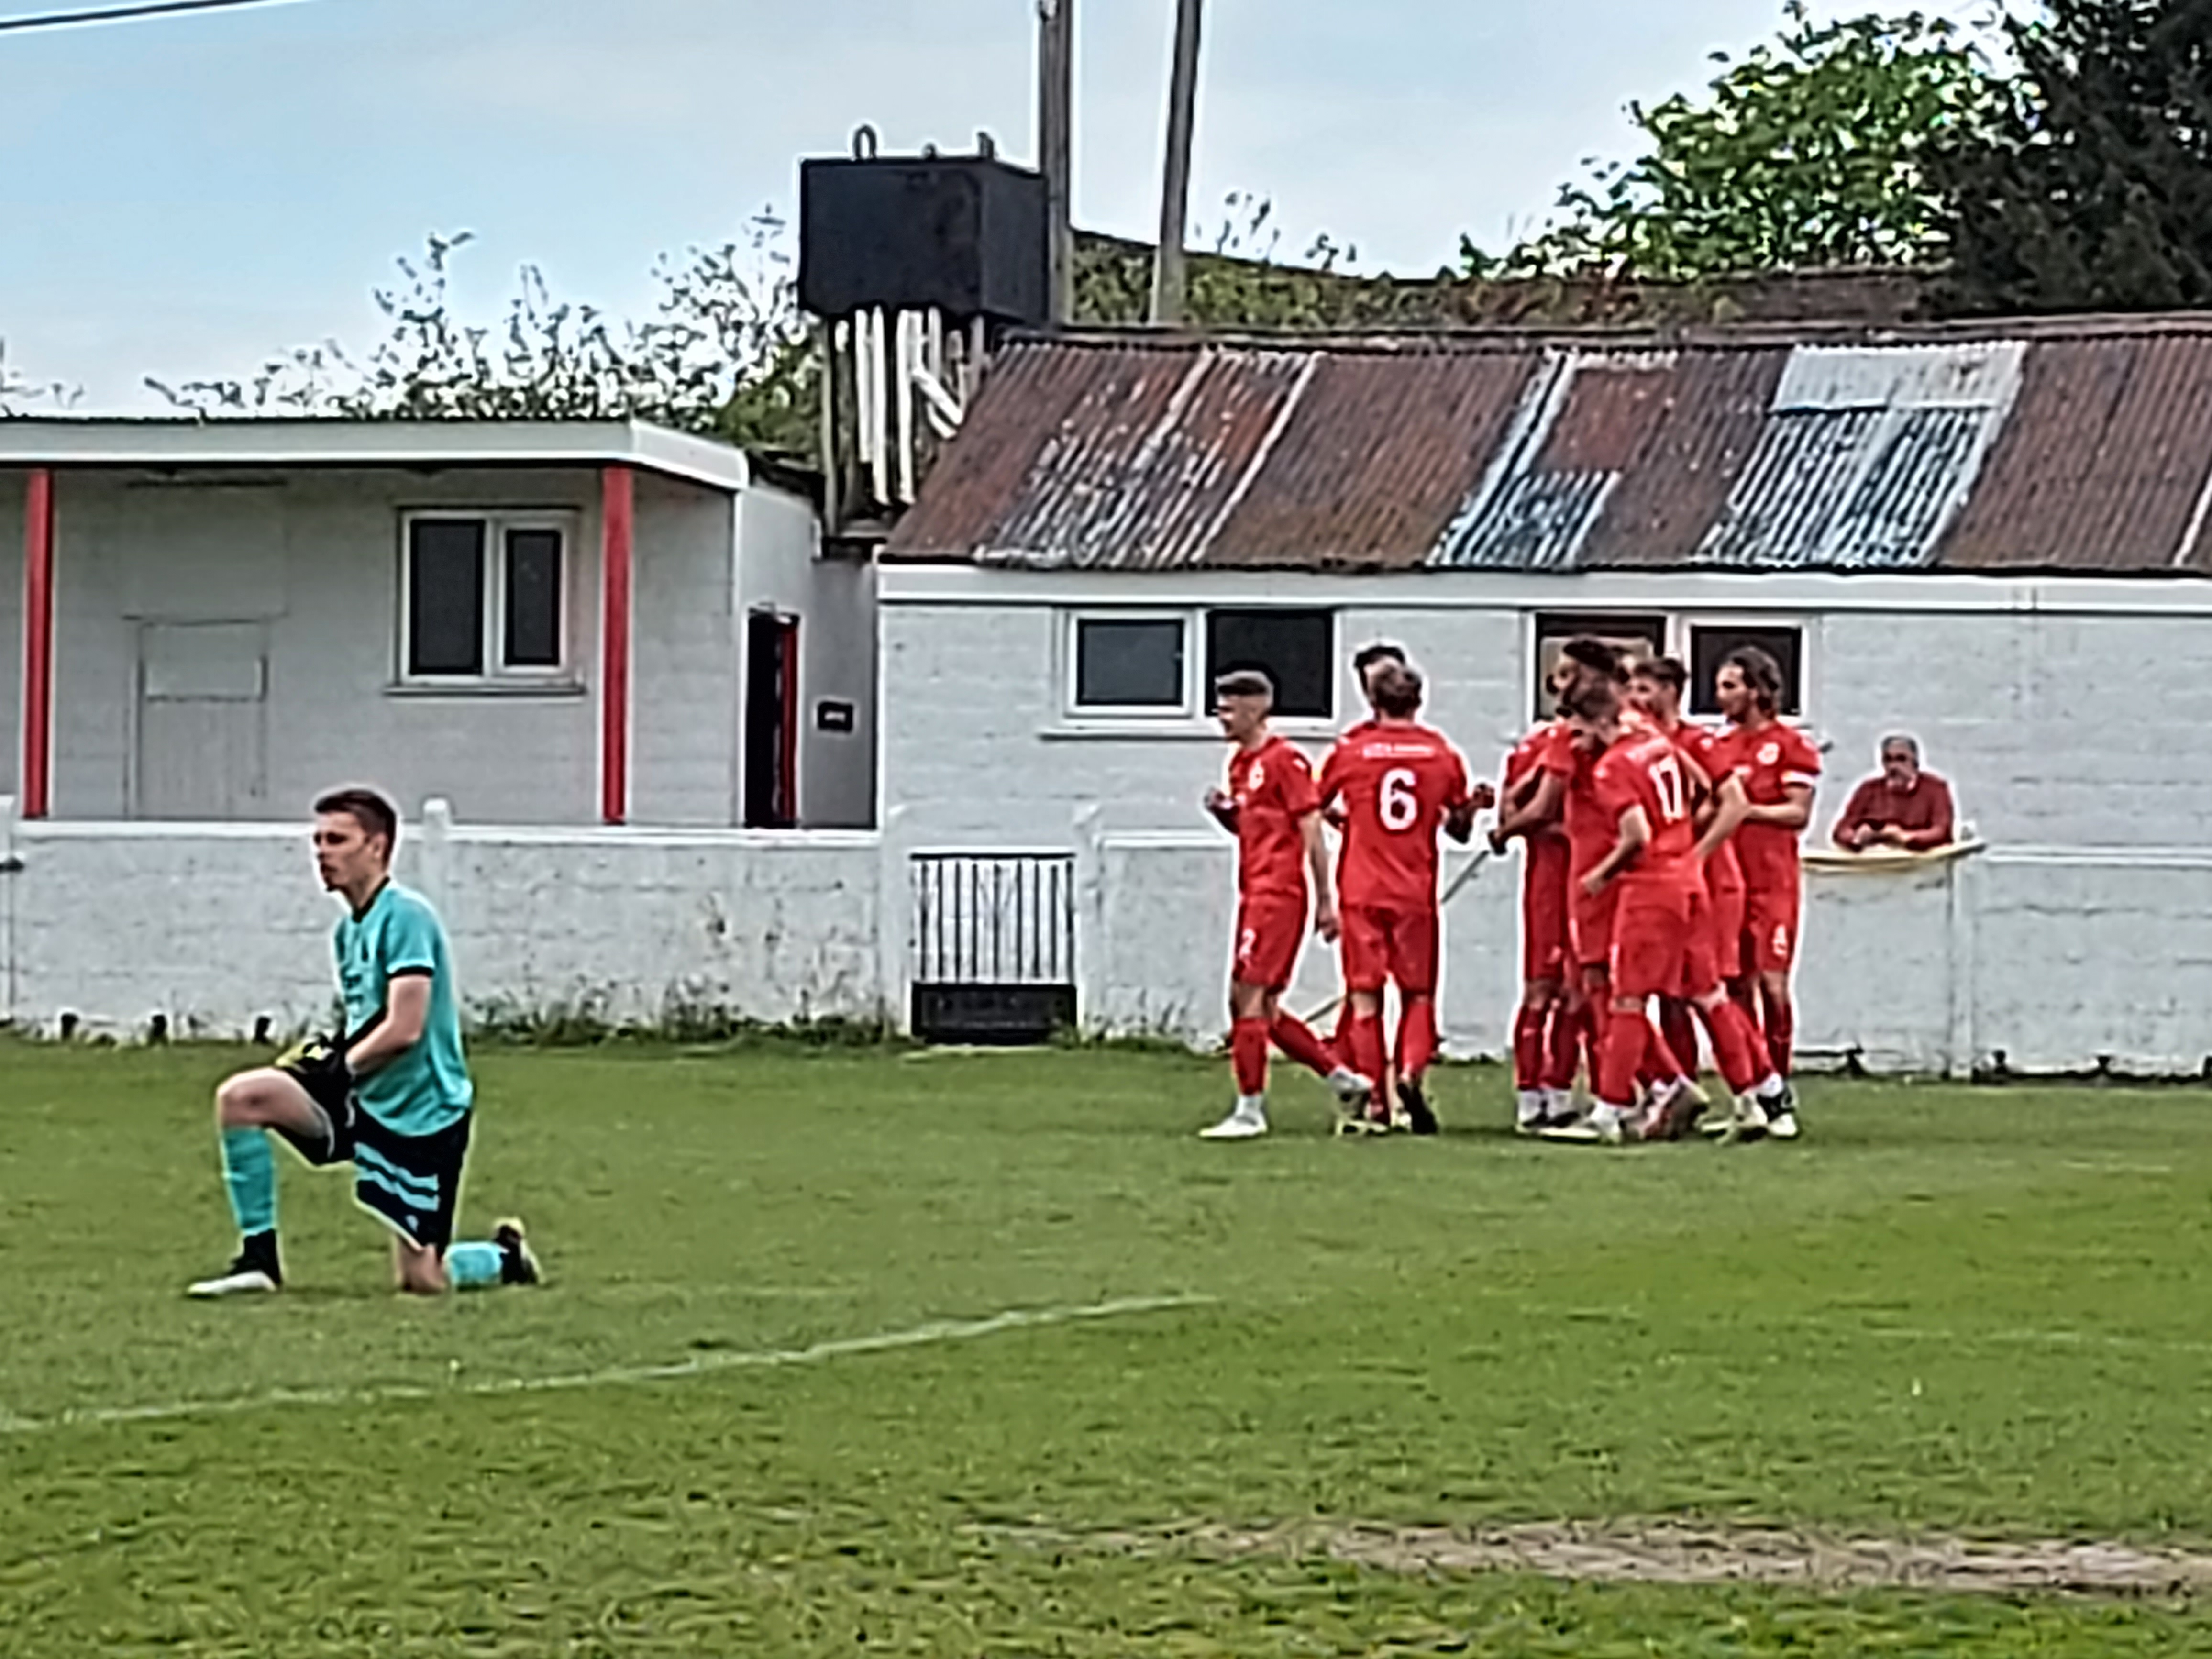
point(366, 808)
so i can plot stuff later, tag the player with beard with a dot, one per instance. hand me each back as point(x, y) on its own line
point(1778, 768)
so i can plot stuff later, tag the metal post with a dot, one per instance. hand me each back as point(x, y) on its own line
point(1169, 272)
point(1056, 145)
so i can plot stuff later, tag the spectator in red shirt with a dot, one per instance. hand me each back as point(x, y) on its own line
point(1905, 808)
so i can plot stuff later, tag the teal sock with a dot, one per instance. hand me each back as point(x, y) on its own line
point(250, 1171)
point(468, 1266)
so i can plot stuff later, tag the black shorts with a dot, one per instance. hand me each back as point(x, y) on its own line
point(411, 1182)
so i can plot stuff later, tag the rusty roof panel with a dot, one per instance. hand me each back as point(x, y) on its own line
point(2105, 466)
point(1374, 459)
point(1583, 419)
point(1032, 394)
point(2081, 444)
point(1148, 489)
point(1708, 426)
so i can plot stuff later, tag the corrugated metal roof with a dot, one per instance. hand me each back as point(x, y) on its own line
point(2058, 446)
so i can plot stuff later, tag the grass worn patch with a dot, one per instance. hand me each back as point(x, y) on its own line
point(1945, 1315)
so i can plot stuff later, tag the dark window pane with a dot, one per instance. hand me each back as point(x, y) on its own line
point(1709, 649)
point(445, 596)
point(1297, 649)
point(533, 632)
point(1128, 665)
point(1640, 635)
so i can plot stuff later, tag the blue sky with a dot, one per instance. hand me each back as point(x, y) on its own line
point(181, 197)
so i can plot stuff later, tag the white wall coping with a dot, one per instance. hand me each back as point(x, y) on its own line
point(413, 832)
point(258, 442)
point(1778, 591)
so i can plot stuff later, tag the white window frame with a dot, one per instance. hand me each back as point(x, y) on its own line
point(1193, 716)
point(1071, 673)
point(498, 673)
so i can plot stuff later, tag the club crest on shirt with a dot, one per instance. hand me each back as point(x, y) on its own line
point(1769, 753)
point(1259, 776)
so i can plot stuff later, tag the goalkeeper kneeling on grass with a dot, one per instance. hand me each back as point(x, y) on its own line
point(392, 1095)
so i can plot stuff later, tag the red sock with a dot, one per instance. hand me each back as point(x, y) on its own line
point(1366, 1039)
point(1781, 1034)
point(1529, 1056)
point(1248, 1054)
point(1736, 1047)
point(1295, 1038)
point(1681, 1030)
point(1625, 1034)
point(1340, 1040)
point(1661, 1064)
point(1416, 1037)
point(1745, 995)
point(1562, 1045)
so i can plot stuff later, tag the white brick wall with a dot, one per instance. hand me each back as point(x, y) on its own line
point(316, 559)
point(216, 925)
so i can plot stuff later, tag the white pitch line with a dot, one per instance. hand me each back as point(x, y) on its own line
point(706, 1364)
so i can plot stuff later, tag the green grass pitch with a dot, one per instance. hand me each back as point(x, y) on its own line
point(1947, 1314)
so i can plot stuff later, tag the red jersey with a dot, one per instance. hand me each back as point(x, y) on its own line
point(1590, 833)
point(1398, 784)
point(1273, 788)
point(1648, 771)
point(1767, 761)
point(1526, 760)
point(1724, 872)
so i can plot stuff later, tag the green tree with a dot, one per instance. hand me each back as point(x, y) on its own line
point(1811, 152)
point(2093, 191)
point(726, 355)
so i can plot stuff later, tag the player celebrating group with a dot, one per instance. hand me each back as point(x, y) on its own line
point(1661, 866)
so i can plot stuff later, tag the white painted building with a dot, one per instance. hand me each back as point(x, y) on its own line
point(545, 623)
point(1997, 543)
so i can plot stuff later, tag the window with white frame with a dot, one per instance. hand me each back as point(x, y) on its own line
point(1131, 665)
point(484, 597)
point(1162, 663)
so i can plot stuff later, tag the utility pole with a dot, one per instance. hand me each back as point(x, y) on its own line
point(1056, 140)
point(1168, 271)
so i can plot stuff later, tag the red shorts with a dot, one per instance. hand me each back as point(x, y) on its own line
point(1390, 944)
point(1662, 942)
point(1544, 909)
point(1770, 929)
point(1725, 916)
point(1594, 925)
point(1270, 927)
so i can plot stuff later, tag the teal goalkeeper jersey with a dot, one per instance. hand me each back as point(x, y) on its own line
point(427, 1088)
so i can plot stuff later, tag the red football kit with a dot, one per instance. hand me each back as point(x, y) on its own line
point(1661, 937)
point(1724, 872)
point(1398, 783)
point(1544, 872)
point(1591, 835)
point(1272, 787)
point(1767, 761)
point(1663, 933)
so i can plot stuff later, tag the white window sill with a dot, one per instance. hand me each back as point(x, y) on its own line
point(1177, 730)
point(474, 690)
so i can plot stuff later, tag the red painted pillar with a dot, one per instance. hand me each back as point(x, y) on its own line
point(38, 753)
point(617, 517)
